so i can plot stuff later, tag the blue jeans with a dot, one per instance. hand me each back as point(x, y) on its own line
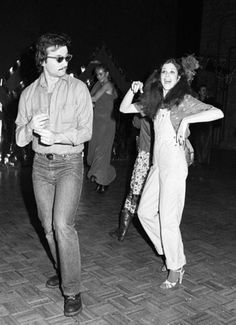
point(57, 187)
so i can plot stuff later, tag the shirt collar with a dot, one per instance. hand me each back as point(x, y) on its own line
point(42, 80)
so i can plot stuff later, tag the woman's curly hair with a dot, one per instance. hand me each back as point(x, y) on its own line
point(152, 98)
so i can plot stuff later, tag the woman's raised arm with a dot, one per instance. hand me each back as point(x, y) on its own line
point(126, 105)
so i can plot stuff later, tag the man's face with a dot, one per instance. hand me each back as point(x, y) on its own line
point(203, 92)
point(51, 66)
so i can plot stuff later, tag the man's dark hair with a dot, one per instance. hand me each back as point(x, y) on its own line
point(47, 40)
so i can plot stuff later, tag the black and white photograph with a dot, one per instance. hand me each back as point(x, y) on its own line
point(118, 162)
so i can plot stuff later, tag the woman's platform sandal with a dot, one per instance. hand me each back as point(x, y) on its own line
point(168, 284)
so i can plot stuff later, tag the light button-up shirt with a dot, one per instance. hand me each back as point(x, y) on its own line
point(70, 112)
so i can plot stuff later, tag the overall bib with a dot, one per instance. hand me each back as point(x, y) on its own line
point(162, 202)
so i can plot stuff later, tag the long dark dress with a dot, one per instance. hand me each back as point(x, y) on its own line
point(100, 146)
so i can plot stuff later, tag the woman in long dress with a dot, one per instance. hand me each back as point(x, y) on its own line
point(104, 126)
point(162, 201)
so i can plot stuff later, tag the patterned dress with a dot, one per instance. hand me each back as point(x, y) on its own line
point(141, 166)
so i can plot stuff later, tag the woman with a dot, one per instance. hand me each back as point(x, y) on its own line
point(138, 178)
point(100, 147)
point(162, 201)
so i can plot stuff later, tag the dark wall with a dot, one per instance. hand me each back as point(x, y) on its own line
point(189, 20)
point(138, 33)
point(19, 26)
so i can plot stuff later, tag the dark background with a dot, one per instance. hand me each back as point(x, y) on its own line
point(139, 33)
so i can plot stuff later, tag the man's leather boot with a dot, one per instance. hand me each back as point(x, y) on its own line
point(53, 282)
point(73, 305)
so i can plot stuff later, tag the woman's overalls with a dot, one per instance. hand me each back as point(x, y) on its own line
point(162, 202)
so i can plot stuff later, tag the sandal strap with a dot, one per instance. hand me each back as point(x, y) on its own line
point(168, 285)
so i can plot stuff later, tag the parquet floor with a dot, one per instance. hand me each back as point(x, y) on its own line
point(121, 280)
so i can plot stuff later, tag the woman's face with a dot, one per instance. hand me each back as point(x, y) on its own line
point(169, 76)
point(102, 75)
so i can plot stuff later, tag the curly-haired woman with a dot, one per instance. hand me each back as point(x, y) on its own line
point(162, 201)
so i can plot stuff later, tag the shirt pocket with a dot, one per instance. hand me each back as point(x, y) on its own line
point(68, 115)
point(38, 107)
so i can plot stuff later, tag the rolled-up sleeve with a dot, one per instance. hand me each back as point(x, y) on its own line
point(84, 107)
point(24, 134)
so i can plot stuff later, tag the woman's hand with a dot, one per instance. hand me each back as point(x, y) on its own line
point(137, 86)
point(182, 133)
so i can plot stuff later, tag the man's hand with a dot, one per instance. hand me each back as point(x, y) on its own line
point(38, 122)
point(47, 137)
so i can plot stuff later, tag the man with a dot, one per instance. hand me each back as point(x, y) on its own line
point(56, 113)
point(203, 132)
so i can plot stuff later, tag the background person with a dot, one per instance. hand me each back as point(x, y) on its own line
point(138, 178)
point(104, 127)
point(202, 132)
point(56, 113)
point(140, 170)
